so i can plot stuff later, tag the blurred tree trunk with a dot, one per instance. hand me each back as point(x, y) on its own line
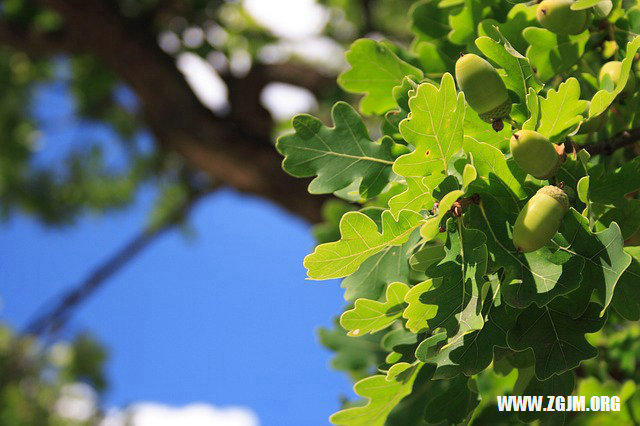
point(235, 150)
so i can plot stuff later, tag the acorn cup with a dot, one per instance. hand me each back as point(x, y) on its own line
point(536, 154)
point(483, 89)
point(558, 17)
point(540, 219)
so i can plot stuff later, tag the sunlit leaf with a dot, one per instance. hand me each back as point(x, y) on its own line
point(375, 71)
point(339, 156)
point(369, 316)
point(360, 239)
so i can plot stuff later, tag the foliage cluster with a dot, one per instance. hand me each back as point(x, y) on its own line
point(444, 313)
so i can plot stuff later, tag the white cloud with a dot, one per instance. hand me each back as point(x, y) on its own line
point(153, 414)
point(204, 81)
point(294, 19)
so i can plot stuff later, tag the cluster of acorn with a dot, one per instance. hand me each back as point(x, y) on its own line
point(486, 93)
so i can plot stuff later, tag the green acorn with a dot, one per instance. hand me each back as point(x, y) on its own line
point(535, 154)
point(540, 219)
point(613, 70)
point(557, 17)
point(483, 89)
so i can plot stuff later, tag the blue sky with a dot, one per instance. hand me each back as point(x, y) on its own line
point(226, 318)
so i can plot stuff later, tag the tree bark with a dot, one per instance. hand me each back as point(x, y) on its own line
point(227, 148)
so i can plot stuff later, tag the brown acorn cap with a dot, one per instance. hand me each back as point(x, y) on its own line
point(557, 194)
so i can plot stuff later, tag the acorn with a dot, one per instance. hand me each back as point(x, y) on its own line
point(557, 17)
point(535, 154)
point(540, 219)
point(613, 70)
point(483, 89)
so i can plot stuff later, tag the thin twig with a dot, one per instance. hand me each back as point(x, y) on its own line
point(620, 140)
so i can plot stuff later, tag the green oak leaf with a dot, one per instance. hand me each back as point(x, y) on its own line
point(417, 196)
point(560, 110)
point(369, 316)
point(410, 411)
point(430, 26)
point(454, 403)
point(417, 312)
point(428, 20)
point(556, 385)
point(360, 239)
point(552, 54)
point(603, 98)
point(536, 277)
point(383, 396)
point(431, 226)
point(480, 130)
point(579, 5)
point(426, 257)
point(626, 213)
point(339, 156)
point(453, 301)
point(403, 92)
point(626, 297)
point(474, 351)
point(611, 187)
point(557, 339)
point(533, 105)
point(376, 272)
point(573, 170)
point(518, 75)
point(603, 255)
point(603, 8)
point(436, 57)
point(519, 17)
point(434, 127)
point(505, 180)
point(463, 23)
point(469, 174)
point(375, 70)
point(431, 346)
point(399, 340)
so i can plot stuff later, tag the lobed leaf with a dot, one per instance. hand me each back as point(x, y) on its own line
point(369, 316)
point(560, 110)
point(387, 266)
point(338, 156)
point(626, 297)
point(552, 54)
point(383, 396)
point(375, 71)
point(434, 128)
point(603, 98)
point(453, 300)
point(603, 256)
point(536, 277)
point(360, 239)
point(557, 339)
